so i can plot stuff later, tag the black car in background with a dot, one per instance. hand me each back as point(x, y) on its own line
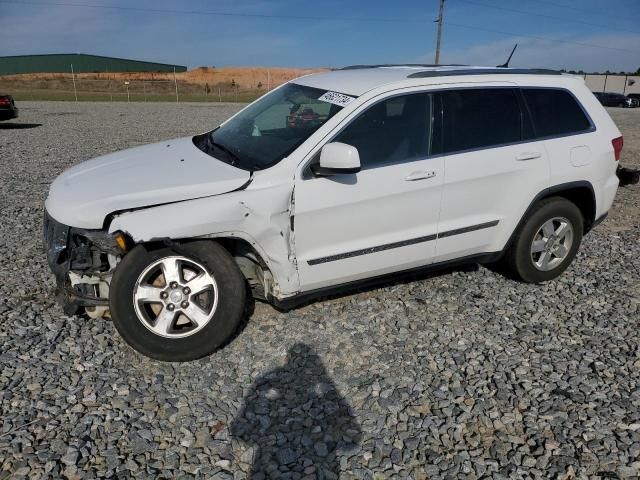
point(8, 109)
point(612, 99)
point(636, 97)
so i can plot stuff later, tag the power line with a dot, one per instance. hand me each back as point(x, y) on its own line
point(542, 15)
point(215, 13)
point(582, 10)
point(513, 34)
point(302, 17)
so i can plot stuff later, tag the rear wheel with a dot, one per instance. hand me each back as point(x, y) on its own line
point(547, 242)
point(177, 305)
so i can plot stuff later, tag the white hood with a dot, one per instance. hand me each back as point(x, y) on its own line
point(153, 174)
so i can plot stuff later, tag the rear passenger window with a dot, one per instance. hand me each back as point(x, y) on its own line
point(480, 118)
point(392, 131)
point(555, 112)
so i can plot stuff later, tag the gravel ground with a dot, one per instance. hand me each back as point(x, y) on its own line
point(461, 374)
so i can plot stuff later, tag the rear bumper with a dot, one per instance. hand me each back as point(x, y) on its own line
point(8, 113)
point(600, 219)
point(605, 193)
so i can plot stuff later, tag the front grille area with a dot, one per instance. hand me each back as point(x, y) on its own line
point(55, 236)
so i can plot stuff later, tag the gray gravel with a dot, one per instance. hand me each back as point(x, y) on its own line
point(461, 374)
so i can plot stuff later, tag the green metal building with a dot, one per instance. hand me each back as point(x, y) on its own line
point(62, 63)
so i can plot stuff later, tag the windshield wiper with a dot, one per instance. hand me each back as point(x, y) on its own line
point(234, 157)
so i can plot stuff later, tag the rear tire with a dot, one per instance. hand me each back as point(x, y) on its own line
point(547, 242)
point(177, 304)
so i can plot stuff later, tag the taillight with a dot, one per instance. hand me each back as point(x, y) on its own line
point(617, 147)
point(4, 101)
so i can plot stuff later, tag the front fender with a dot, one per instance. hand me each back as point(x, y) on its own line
point(261, 217)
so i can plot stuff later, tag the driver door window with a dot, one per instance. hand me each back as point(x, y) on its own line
point(395, 130)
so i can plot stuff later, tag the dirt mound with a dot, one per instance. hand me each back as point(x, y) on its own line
point(242, 77)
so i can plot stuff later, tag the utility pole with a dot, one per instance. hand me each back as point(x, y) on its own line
point(437, 60)
point(73, 77)
point(175, 82)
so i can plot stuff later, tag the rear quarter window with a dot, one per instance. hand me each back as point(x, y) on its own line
point(555, 112)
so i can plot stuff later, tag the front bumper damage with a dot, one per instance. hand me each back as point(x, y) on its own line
point(82, 262)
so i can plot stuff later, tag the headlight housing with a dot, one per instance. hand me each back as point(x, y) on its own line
point(79, 249)
point(55, 239)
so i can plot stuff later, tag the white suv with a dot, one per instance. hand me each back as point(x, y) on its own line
point(330, 180)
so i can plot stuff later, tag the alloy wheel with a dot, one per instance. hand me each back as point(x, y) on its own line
point(551, 243)
point(175, 297)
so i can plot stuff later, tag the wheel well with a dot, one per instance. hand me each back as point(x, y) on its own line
point(583, 198)
point(239, 246)
point(249, 261)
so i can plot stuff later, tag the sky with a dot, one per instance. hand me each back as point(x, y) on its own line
point(589, 35)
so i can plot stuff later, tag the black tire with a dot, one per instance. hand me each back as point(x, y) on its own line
point(226, 318)
point(519, 259)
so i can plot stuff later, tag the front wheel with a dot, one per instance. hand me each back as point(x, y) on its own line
point(547, 242)
point(177, 305)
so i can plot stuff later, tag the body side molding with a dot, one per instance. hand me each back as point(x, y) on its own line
point(404, 243)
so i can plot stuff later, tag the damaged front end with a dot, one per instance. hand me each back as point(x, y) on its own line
point(83, 262)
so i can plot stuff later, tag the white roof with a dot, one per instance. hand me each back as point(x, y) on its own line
point(356, 81)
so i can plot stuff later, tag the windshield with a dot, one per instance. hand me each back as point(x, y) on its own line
point(270, 129)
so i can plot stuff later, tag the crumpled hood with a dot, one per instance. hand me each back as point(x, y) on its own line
point(163, 172)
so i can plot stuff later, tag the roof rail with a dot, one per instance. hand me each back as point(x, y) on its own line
point(484, 71)
point(358, 67)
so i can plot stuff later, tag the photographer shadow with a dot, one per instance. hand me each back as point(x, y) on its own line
point(295, 420)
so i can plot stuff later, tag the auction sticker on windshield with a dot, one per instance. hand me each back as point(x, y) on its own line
point(336, 98)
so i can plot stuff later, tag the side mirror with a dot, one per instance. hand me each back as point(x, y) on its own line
point(337, 158)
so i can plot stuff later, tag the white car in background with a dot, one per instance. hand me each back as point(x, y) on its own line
point(328, 181)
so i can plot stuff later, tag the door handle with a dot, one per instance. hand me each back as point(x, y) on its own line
point(419, 175)
point(528, 156)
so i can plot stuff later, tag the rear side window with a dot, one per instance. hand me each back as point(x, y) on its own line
point(555, 112)
point(480, 118)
